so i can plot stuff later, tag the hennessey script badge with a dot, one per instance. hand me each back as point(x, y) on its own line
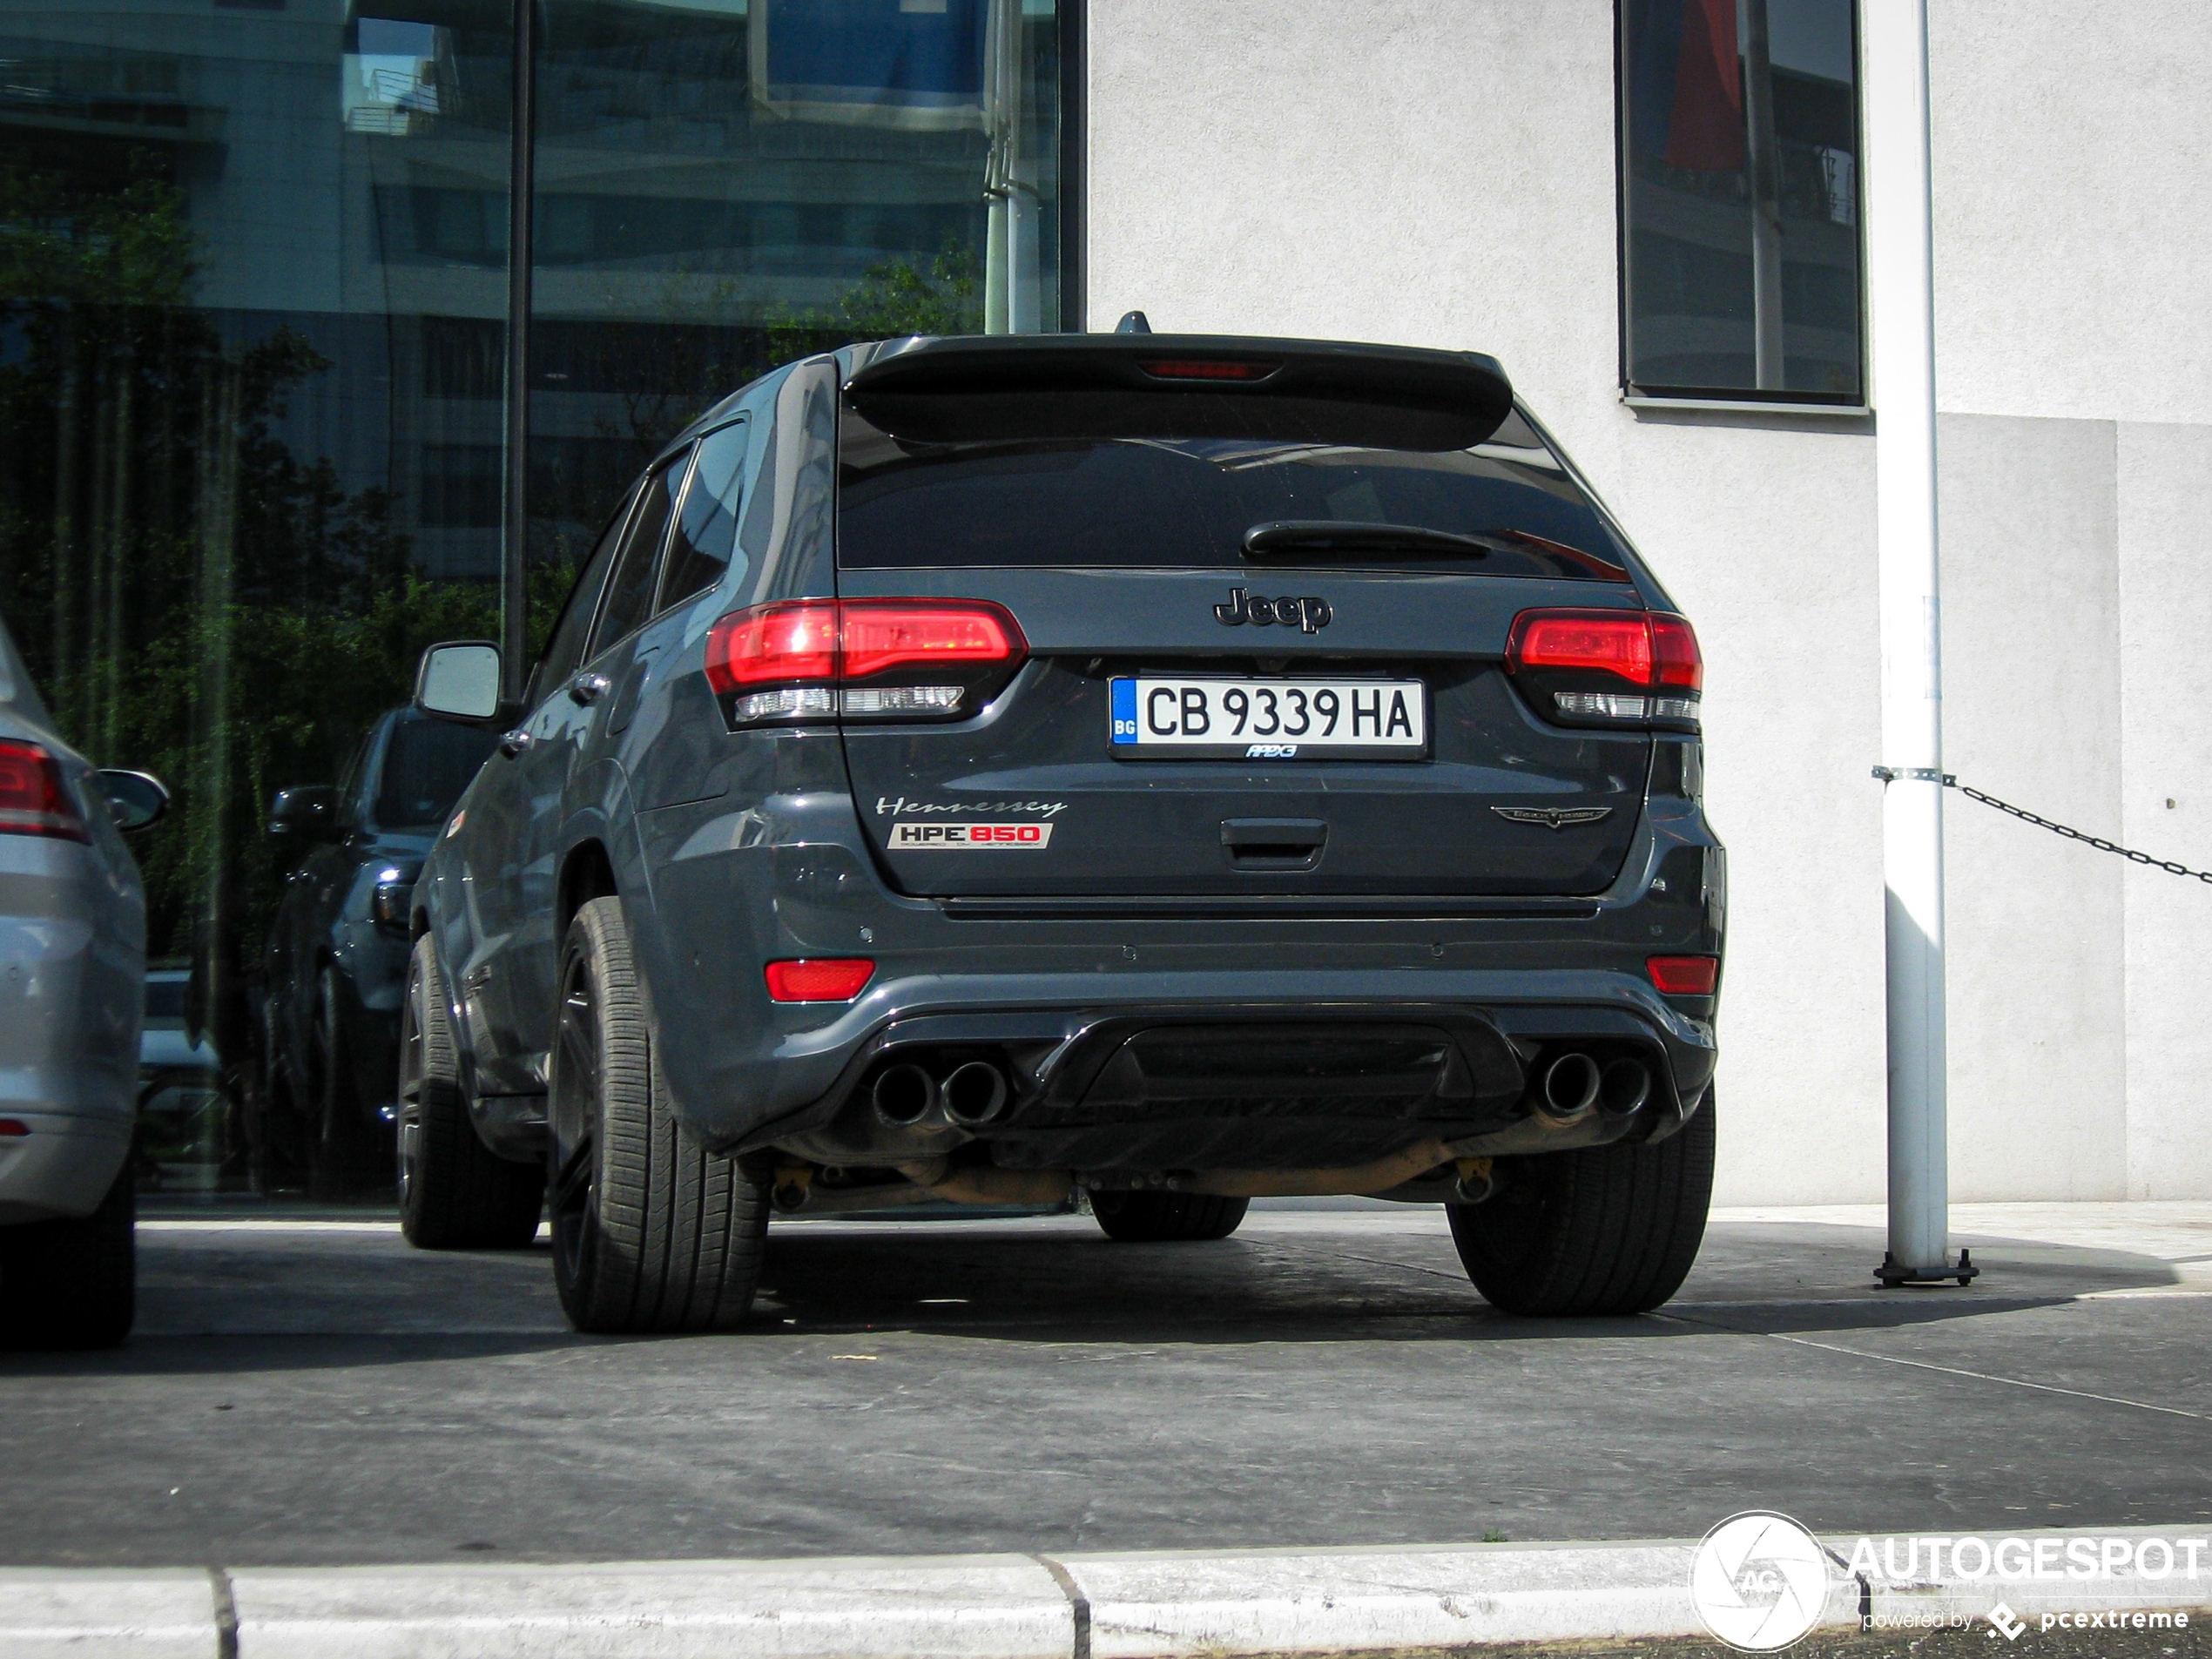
point(1553, 818)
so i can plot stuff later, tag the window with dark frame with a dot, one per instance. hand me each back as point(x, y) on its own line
point(1741, 275)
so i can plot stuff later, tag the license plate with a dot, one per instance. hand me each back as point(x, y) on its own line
point(1159, 718)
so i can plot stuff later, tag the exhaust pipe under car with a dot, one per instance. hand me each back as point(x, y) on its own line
point(904, 1095)
point(974, 1093)
point(1623, 1087)
point(1570, 1088)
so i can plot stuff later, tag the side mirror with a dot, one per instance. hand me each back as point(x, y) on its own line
point(309, 811)
point(459, 680)
point(136, 800)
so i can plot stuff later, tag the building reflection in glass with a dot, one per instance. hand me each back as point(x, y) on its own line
point(254, 285)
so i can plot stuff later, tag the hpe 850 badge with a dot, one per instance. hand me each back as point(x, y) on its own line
point(942, 838)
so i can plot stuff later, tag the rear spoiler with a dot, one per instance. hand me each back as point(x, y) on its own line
point(1014, 387)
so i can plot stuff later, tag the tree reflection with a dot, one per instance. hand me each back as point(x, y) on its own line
point(194, 597)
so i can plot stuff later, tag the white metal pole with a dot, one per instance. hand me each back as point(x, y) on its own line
point(1900, 287)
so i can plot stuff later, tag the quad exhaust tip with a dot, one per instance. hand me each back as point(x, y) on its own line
point(904, 1095)
point(1574, 1084)
point(1623, 1087)
point(975, 1093)
point(1571, 1087)
point(972, 1093)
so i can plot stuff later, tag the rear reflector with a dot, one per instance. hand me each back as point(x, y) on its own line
point(33, 800)
point(11, 1126)
point(1185, 368)
point(818, 979)
point(1684, 975)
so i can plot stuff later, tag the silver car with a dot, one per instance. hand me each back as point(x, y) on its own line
point(72, 967)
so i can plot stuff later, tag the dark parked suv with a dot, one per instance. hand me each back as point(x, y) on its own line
point(337, 954)
point(1166, 770)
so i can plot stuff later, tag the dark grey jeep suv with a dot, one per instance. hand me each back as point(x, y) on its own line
point(1159, 770)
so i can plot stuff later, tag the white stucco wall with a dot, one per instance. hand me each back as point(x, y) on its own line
point(2164, 502)
point(1443, 174)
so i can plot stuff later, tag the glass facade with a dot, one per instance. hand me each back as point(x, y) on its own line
point(723, 184)
point(268, 423)
point(1740, 256)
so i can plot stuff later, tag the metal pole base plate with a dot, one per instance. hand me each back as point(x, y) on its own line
point(1892, 1276)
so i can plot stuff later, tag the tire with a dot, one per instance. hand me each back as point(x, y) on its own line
point(652, 1232)
point(347, 1154)
point(456, 1193)
point(1605, 1231)
point(71, 1283)
point(1166, 1217)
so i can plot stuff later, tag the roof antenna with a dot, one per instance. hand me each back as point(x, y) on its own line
point(1133, 322)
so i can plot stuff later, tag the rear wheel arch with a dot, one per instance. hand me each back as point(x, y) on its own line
point(587, 873)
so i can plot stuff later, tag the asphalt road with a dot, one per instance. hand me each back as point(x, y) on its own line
point(308, 1392)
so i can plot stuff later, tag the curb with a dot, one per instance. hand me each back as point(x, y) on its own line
point(1434, 1599)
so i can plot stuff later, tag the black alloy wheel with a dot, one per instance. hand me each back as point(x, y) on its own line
point(651, 1231)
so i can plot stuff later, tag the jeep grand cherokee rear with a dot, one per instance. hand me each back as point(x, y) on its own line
point(1166, 771)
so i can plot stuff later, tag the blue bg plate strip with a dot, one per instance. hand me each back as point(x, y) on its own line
point(1125, 711)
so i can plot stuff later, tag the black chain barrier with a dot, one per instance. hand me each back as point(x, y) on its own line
point(1887, 775)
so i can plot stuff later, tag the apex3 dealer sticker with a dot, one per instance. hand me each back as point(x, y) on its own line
point(944, 837)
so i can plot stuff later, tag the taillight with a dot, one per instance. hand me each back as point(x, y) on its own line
point(1684, 975)
point(771, 643)
point(818, 979)
point(33, 799)
point(896, 659)
point(1675, 660)
point(1608, 667)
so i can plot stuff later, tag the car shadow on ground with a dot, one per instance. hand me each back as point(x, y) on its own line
point(246, 1355)
point(222, 1298)
point(1266, 1288)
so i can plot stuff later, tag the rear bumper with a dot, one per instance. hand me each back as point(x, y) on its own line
point(64, 1167)
point(1298, 1067)
point(722, 891)
point(70, 1004)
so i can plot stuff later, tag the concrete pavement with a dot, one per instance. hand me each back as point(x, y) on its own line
point(303, 1394)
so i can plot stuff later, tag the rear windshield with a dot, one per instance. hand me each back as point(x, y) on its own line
point(1187, 504)
point(426, 767)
